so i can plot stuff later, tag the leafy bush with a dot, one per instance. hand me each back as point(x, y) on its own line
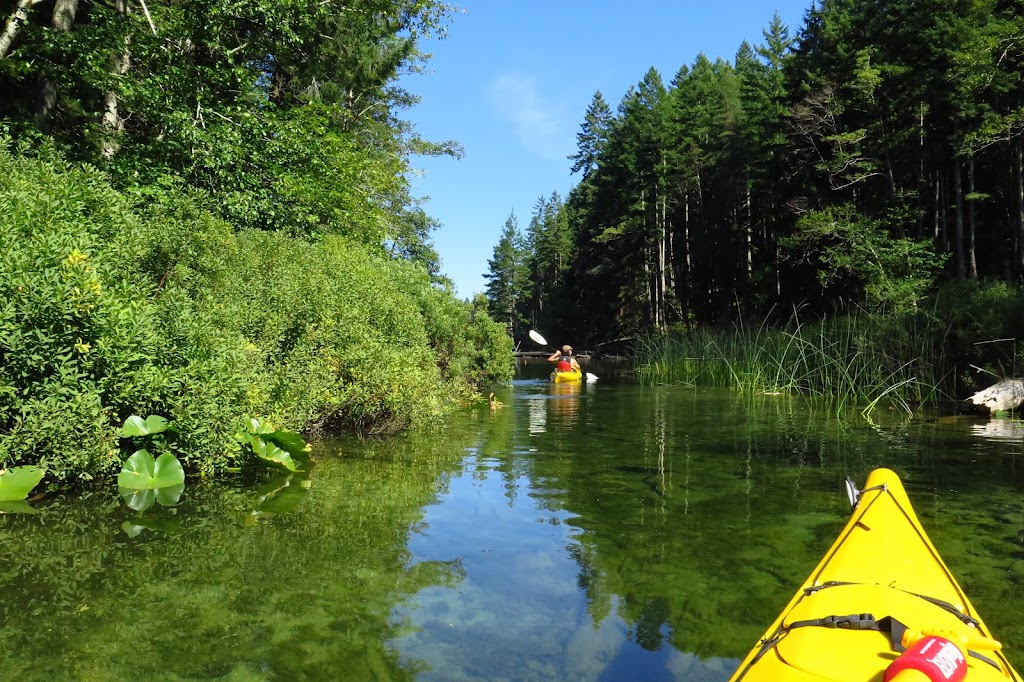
point(109, 310)
point(76, 334)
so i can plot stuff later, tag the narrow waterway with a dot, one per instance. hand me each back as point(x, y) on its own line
point(607, 531)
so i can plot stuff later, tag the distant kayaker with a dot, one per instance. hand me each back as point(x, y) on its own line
point(566, 362)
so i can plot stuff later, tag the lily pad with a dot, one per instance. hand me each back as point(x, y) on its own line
point(269, 452)
point(142, 472)
point(17, 482)
point(290, 442)
point(137, 426)
point(17, 507)
point(143, 499)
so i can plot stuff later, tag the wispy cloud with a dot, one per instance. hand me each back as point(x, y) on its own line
point(539, 122)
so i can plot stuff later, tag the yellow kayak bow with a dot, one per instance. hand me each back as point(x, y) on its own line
point(881, 578)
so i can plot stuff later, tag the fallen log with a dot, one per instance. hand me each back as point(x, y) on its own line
point(1007, 395)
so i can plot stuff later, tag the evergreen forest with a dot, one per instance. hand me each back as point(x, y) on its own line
point(869, 163)
point(208, 236)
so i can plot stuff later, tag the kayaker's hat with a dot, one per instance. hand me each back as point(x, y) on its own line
point(566, 348)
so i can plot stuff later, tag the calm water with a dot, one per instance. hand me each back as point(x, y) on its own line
point(602, 532)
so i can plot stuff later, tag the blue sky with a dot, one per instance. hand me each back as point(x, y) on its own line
point(511, 83)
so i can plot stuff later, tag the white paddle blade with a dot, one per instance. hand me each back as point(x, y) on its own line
point(852, 493)
point(591, 377)
point(538, 338)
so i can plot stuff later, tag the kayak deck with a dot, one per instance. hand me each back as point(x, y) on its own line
point(881, 574)
point(564, 377)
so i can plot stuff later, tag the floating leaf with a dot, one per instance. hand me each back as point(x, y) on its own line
point(139, 500)
point(132, 530)
point(17, 482)
point(169, 496)
point(143, 499)
point(137, 426)
point(269, 452)
point(142, 472)
point(17, 507)
point(290, 442)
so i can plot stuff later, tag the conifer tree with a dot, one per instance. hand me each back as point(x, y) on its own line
point(508, 284)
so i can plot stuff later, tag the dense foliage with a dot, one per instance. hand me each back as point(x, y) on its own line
point(109, 312)
point(856, 165)
point(206, 218)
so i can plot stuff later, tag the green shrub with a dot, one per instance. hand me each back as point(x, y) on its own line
point(108, 309)
point(75, 332)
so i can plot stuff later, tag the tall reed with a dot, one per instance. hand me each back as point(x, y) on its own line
point(861, 359)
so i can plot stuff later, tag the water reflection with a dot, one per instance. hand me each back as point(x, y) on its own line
point(585, 532)
point(1001, 430)
point(565, 403)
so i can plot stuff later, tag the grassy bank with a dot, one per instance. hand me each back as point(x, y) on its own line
point(113, 305)
point(965, 337)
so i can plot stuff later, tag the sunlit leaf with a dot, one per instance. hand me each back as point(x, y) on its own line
point(269, 452)
point(137, 426)
point(142, 472)
point(259, 426)
point(290, 442)
point(17, 482)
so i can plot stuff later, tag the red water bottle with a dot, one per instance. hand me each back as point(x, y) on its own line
point(929, 659)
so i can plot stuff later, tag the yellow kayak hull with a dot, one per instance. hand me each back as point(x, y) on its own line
point(882, 564)
point(566, 377)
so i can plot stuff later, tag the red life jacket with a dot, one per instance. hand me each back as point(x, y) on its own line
point(564, 364)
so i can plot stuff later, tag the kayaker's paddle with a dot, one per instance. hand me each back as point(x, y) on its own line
point(537, 338)
point(535, 335)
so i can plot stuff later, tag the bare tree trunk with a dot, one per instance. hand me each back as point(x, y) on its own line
point(687, 260)
point(14, 23)
point(662, 263)
point(922, 178)
point(63, 19)
point(972, 261)
point(1018, 148)
point(748, 235)
point(64, 12)
point(113, 124)
point(958, 235)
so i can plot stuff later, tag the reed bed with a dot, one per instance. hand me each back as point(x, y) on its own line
point(860, 360)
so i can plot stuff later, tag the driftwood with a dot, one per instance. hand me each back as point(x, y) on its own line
point(1008, 394)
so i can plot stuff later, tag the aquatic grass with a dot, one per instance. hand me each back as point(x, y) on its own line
point(860, 360)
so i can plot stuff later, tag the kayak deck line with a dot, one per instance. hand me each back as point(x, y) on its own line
point(881, 578)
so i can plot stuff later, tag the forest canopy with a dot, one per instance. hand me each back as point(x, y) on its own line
point(857, 163)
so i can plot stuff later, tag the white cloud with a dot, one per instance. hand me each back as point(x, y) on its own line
point(538, 122)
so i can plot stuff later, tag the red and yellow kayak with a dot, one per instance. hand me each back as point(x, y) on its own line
point(565, 377)
point(881, 578)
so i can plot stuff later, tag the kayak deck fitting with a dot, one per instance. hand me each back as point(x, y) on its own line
point(881, 577)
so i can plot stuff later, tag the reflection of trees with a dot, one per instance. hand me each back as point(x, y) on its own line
point(229, 591)
point(700, 512)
